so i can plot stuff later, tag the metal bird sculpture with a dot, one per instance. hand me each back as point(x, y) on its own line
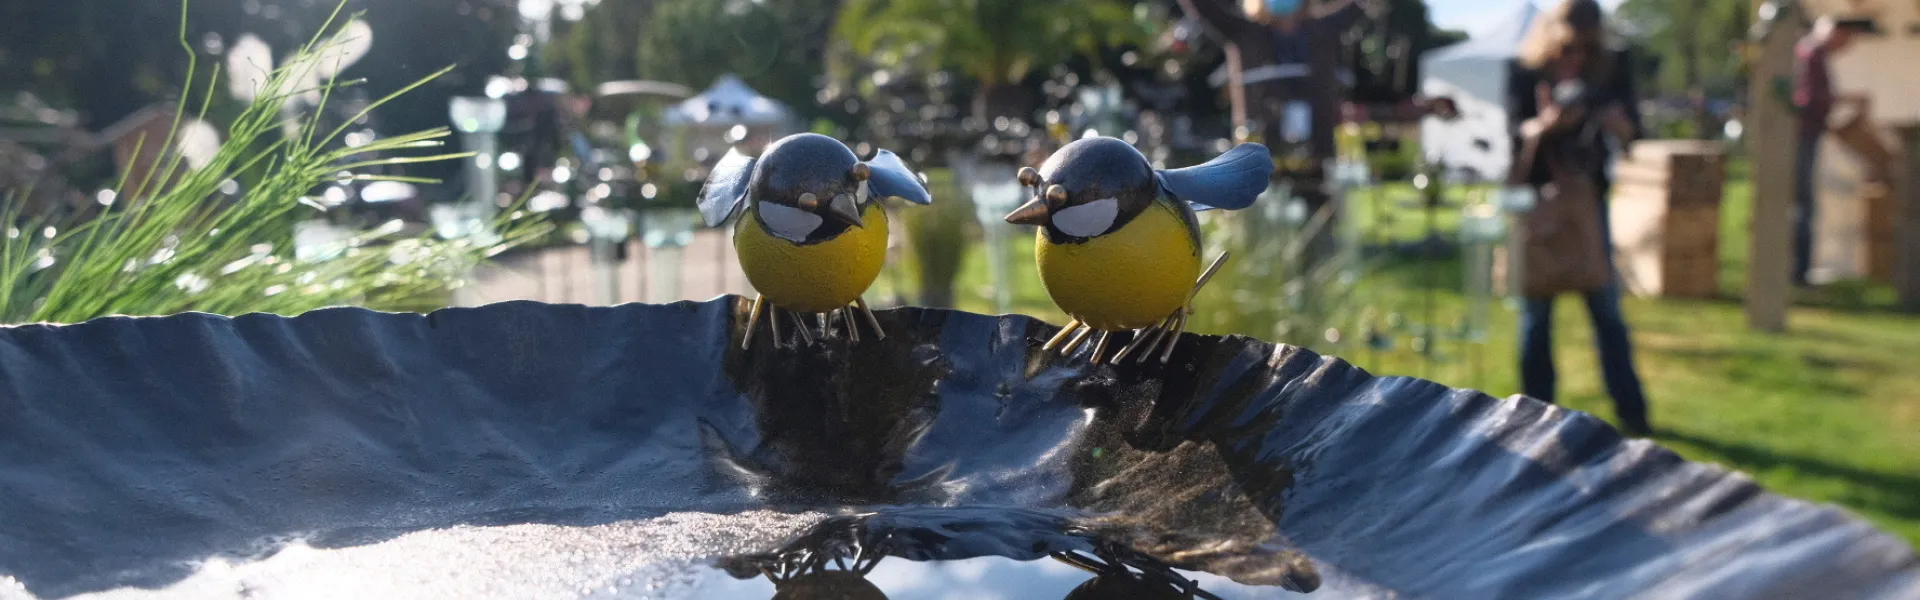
point(1119, 241)
point(814, 235)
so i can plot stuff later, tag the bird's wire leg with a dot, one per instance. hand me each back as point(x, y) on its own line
point(826, 325)
point(1061, 338)
point(1143, 341)
point(879, 333)
point(1169, 332)
point(800, 323)
point(1208, 276)
point(1153, 341)
point(853, 328)
point(1101, 347)
point(753, 321)
point(871, 555)
point(1081, 562)
point(773, 321)
point(1078, 339)
point(1173, 341)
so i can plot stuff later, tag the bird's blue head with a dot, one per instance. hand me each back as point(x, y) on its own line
point(1089, 187)
point(808, 187)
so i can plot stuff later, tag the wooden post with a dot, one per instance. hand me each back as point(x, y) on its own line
point(1906, 235)
point(1773, 145)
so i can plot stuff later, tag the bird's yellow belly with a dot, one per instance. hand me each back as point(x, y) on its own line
point(814, 278)
point(1128, 279)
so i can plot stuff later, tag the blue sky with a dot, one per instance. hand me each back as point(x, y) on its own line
point(1471, 15)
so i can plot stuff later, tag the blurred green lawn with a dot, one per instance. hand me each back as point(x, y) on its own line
point(1829, 412)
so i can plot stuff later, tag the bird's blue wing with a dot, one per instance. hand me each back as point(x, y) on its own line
point(892, 179)
point(726, 187)
point(1231, 181)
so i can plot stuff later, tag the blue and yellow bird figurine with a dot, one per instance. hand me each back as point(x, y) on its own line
point(814, 234)
point(1119, 241)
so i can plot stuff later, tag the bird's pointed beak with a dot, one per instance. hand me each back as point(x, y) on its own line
point(845, 210)
point(1034, 212)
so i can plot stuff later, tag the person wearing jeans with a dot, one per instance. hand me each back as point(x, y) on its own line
point(1813, 102)
point(1804, 173)
point(1537, 376)
point(1568, 44)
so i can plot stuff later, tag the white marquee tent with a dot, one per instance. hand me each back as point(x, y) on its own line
point(729, 102)
point(1474, 74)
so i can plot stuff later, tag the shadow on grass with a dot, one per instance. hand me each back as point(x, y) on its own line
point(1768, 369)
point(1890, 494)
point(1418, 267)
point(1846, 297)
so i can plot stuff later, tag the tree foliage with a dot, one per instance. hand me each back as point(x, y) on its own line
point(995, 42)
point(776, 47)
point(602, 46)
point(1692, 41)
point(1385, 54)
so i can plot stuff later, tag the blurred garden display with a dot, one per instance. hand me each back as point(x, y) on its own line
point(157, 249)
point(776, 48)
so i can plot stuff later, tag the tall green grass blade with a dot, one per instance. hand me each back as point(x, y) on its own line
point(175, 243)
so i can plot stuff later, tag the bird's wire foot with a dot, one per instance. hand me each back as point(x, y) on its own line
point(853, 327)
point(830, 322)
point(1075, 335)
point(1141, 569)
point(878, 331)
point(753, 321)
point(1161, 337)
point(773, 323)
point(1101, 347)
point(1078, 339)
point(1144, 341)
point(1063, 336)
point(1176, 324)
point(800, 323)
point(1173, 340)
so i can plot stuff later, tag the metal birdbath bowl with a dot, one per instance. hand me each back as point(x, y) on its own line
point(525, 450)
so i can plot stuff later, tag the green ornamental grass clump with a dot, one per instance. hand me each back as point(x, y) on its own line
point(181, 245)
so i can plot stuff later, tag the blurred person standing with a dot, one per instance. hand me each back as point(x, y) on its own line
point(1570, 93)
point(1283, 59)
point(1285, 86)
point(1813, 101)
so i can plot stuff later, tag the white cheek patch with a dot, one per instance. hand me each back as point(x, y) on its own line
point(1087, 220)
point(789, 223)
point(863, 195)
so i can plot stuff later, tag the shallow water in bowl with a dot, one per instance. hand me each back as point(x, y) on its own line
point(673, 556)
point(972, 579)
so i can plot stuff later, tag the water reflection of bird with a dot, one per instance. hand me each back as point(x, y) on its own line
point(814, 235)
point(819, 566)
point(1119, 244)
point(1115, 580)
point(828, 585)
point(1126, 586)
